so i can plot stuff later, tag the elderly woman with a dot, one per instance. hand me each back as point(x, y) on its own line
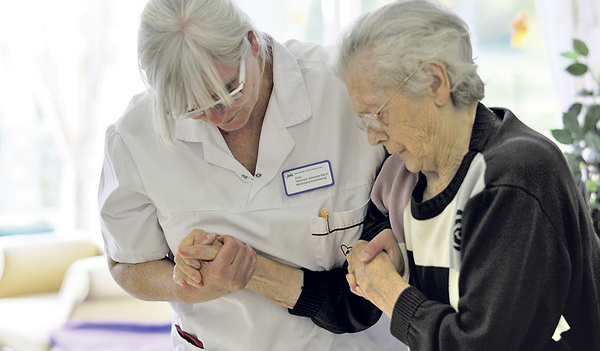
point(499, 245)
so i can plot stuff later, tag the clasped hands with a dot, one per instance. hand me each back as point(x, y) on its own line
point(225, 264)
point(375, 270)
point(221, 263)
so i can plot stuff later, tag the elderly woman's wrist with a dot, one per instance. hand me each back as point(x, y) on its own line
point(392, 289)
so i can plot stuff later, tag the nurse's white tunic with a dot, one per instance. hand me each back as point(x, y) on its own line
point(153, 194)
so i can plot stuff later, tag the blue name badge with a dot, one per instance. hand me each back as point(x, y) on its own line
point(307, 178)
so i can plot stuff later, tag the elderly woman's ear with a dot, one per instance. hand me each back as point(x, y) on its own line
point(440, 83)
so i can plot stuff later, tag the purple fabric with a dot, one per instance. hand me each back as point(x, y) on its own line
point(76, 335)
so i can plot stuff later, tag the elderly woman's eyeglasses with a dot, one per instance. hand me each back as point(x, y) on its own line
point(371, 121)
point(235, 95)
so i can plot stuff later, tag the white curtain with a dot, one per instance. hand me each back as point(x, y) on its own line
point(561, 21)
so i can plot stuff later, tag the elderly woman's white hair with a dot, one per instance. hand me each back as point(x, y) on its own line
point(179, 42)
point(402, 35)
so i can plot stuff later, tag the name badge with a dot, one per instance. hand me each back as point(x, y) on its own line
point(307, 178)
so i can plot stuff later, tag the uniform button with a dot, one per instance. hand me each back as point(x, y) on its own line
point(244, 177)
point(258, 175)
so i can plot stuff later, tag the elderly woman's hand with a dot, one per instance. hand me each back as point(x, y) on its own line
point(384, 241)
point(223, 263)
point(378, 280)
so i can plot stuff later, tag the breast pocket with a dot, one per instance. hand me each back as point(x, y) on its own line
point(334, 234)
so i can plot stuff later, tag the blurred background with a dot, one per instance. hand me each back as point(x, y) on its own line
point(68, 69)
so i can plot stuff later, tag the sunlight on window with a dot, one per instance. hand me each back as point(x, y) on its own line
point(65, 72)
point(516, 76)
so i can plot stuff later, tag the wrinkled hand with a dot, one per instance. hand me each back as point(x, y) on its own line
point(377, 280)
point(232, 268)
point(198, 246)
point(384, 241)
point(354, 259)
point(223, 263)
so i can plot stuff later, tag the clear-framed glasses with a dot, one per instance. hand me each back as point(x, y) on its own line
point(371, 121)
point(235, 95)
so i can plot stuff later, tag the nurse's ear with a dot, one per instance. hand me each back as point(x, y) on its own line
point(440, 87)
point(253, 42)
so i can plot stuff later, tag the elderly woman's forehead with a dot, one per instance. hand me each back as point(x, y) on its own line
point(361, 66)
point(356, 80)
point(364, 91)
point(363, 76)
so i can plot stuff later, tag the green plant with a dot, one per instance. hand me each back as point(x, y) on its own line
point(580, 128)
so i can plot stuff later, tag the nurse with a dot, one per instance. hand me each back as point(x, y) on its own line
point(239, 134)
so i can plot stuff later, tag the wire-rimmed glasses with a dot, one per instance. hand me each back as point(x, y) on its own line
point(235, 95)
point(371, 121)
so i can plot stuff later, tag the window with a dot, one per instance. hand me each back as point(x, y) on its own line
point(69, 69)
point(516, 76)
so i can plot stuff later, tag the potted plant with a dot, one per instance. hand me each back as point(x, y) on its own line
point(580, 132)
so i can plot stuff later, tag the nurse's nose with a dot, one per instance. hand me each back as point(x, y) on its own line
point(376, 137)
point(215, 114)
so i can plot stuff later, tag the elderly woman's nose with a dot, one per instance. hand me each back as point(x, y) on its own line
point(376, 137)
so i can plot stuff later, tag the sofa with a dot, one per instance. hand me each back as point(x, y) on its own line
point(52, 290)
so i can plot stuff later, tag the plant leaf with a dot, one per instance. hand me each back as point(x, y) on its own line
point(592, 139)
point(592, 186)
point(571, 55)
point(575, 108)
point(591, 119)
point(585, 92)
point(562, 136)
point(580, 47)
point(574, 162)
point(571, 123)
point(594, 204)
point(577, 69)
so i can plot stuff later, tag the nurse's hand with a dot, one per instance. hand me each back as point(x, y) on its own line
point(198, 246)
point(230, 269)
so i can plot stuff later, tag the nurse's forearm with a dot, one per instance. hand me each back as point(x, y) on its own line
point(280, 283)
point(153, 281)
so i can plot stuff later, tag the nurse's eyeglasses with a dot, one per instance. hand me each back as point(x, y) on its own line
point(235, 95)
point(371, 121)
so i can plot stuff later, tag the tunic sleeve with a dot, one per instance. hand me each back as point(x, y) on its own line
point(127, 216)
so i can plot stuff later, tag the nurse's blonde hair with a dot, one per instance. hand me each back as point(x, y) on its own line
point(179, 42)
